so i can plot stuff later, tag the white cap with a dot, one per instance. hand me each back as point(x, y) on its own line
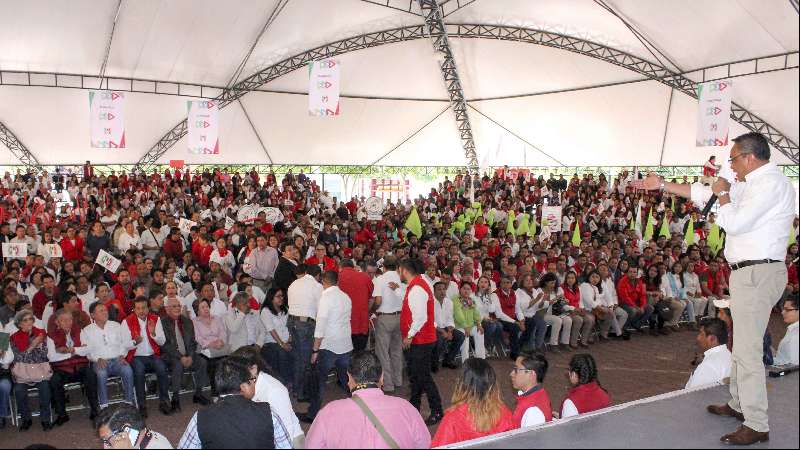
point(722, 303)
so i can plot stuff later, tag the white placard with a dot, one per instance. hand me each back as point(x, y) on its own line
point(247, 214)
point(323, 87)
point(374, 208)
point(108, 261)
point(553, 215)
point(205, 214)
point(186, 225)
point(713, 113)
point(203, 124)
point(54, 250)
point(273, 215)
point(229, 223)
point(15, 250)
point(107, 119)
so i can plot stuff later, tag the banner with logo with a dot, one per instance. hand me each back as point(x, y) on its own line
point(713, 113)
point(54, 250)
point(323, 87)
point(185, 225)
point(107, 261)
point(229, 223)
point(553, 215)
point(374, 208)
point(107, 119)
point(15, 250)
point(203, 124)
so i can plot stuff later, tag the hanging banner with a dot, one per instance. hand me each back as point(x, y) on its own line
point(323, 87)
point(107, 119)
point(374, 208)
point(713, 113)
point(553, 216)
point(203, 123)
point(107, 261)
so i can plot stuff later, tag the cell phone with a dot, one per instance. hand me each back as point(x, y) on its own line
point(133, 435)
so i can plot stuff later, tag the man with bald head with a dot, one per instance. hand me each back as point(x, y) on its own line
point(180, 353)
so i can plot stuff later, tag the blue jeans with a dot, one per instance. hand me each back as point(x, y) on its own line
point(5, 397)
point(326, 361)
point(302, 343)
point(21, 393)
point(450, 349)
point(280, 361)
point(535, 332)
point(143, 364)
point(493, 332)
point(115, 368)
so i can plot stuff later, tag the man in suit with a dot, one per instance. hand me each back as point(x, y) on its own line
point(180, 353)
point(284, 274)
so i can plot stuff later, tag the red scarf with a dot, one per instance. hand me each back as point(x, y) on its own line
point(136, 331)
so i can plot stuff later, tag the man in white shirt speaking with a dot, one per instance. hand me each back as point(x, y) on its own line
point(716, 366)
point(757, 214)
point(333, 343)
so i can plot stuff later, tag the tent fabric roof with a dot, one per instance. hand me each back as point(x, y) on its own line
point(204, 41)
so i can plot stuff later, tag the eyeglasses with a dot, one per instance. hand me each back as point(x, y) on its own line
point(731, 160)
point(252, 380)
point(518, 370)
point(113, 437)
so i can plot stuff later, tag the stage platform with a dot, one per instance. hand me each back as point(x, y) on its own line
point(674, 420)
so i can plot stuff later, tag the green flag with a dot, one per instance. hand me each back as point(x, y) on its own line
point(689, 236)
point(576, 235)
point(792, 237)
point(665, 228)
point(649, 229)
point(532, 227)
point(714, 239)
point(510, 225)
point(524, 226)
point(490, 219)
point(413, 224)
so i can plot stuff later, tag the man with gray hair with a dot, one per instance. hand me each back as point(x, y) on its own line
point(180, 353)
point(244, 326)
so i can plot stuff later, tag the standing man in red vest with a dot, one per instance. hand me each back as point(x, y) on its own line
point(533, 403)
point(417, 325)
point(147, 333)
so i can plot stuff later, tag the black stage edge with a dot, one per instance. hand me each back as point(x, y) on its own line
point(675, 420)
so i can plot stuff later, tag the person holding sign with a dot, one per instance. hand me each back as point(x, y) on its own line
point(71, 246)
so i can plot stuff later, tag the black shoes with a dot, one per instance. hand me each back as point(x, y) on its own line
point(143, 412)
point(434, 419)
point(450, 365)
point(47, 426)
point(201, 399)
point(305, 418)
point(25, 425)
point(176, 404)
point(2, 422)
point(61, 420)
point(165, 408)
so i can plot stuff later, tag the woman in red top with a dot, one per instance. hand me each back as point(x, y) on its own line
point(586, 394)
point(478, 409)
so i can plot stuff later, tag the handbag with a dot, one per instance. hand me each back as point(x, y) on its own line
point(25, 373)
point(662, 309)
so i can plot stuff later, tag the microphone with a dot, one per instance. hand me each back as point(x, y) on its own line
point(709, 205)
point(727, 173)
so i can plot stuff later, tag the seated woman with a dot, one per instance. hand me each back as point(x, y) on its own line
point(212, 338)
point(478, 409)
point(586, 394)
point(582, 320)
point(467, 319)
point(30, 347)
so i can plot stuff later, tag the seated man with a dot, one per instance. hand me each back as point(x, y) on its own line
point(716, 366)
point(147, 333)
point(533, 403)
point(449, 338)
point(236, 421)
point(244, 325)
point(180, 353)
point(108, 343)
point(632, 296)
point(67, 356)
point(348, 424)
point(789, 348)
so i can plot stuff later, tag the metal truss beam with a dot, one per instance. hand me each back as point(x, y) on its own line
point(446, 7)
point(651, 70)
point(18, 149)
point(441, 44)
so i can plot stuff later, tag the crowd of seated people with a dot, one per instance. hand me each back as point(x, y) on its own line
point(488, 277)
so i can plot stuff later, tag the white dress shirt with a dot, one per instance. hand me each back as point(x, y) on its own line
point(144, 348)
point(443, 313)
point(304, 294)
point(524, 302)
point(590, 297)
point(244, 329)
point(127, 242)
point(488, 305)
point(110, 342)
point(759, 217)
point(333, 321)
point(569, 409)
point(275, 323)
point(609, 296)
point(54, 357)
point(517, 310)
point(391, 299)
point(789, 348)
point(692, 283)
point(715, 367)
point(418, 303)
point(269, 390)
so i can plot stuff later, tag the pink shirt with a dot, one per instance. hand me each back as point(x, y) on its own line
point(205, 334)
point(341, 424)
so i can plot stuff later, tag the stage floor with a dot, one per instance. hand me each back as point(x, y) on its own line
point(677, 420)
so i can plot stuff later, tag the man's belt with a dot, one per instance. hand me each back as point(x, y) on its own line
point(755, 262)
point(387, 314)
point(302, 319)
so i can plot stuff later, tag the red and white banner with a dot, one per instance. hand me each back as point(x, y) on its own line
point(203, 124)
point(714, 113)
point(107, 119)
point(323, 87)
point(108, 261)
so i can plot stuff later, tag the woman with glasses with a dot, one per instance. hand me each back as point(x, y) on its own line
point(478, 409)
point(29, 346)
point(277, 350)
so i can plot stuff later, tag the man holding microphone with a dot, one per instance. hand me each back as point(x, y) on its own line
point(757, 214)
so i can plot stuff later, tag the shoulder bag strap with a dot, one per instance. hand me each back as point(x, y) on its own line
point(375, 422)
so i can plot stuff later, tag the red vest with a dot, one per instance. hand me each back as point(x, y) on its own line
point(588, 397)
point(538, 399)
point(427, 335)
point(59, 338)
point(136, 331)
point(508, 302)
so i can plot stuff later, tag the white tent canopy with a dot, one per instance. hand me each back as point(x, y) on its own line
point(565, 108)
